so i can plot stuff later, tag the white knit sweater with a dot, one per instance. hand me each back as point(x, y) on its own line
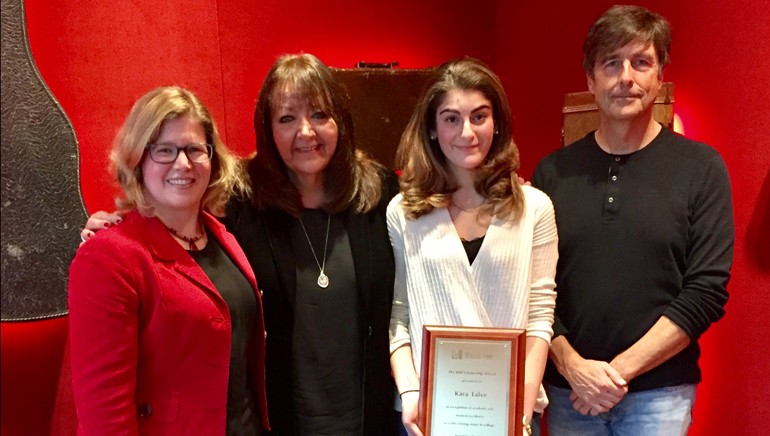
point(509, 285)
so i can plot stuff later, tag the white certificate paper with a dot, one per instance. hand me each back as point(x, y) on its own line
point(471, 387)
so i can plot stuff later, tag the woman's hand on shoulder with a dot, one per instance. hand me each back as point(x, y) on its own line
point(100, 220)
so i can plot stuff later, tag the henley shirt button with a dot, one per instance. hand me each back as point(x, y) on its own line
point(614, 178)
point(611, 199)
point(617, 158)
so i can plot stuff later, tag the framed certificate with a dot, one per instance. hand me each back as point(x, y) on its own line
point(472, 381)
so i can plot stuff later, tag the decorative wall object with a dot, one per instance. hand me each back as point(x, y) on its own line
point(42, 209)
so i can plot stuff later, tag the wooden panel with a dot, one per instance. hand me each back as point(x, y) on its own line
point(582, 116)
point(382, 101)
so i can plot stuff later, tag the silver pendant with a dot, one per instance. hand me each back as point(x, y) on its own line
point(323, 280)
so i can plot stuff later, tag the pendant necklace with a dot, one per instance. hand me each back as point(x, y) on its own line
point(323, 279)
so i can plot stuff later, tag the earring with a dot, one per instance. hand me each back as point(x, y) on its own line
point(497, 132)
point(433, 136)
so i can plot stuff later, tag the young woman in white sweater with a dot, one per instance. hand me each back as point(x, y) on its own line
point(472, 246)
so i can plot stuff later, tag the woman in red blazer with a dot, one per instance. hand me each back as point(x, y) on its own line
point(166, 324)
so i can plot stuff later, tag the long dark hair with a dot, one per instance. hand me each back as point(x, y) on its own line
point(426, 181)
point(351, 179)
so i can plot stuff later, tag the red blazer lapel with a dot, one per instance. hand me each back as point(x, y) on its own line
point(256, 353)
point(231, 246)
point(166, 249)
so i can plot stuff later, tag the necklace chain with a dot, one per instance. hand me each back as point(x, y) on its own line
point(323, 279)
point(189, 240)
point(470, 210)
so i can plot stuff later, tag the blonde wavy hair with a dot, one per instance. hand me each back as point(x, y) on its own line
point(426, 180)
point(143, 126)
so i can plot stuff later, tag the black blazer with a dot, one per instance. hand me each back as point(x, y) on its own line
point(264, 237)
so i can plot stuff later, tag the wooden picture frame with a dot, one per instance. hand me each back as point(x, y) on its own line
point(454, 397)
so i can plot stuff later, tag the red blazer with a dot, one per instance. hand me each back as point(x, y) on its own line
point(151, 336)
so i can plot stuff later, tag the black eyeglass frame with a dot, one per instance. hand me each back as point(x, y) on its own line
point(185, 149)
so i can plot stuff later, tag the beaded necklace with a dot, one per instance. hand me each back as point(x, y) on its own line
point(190, 241)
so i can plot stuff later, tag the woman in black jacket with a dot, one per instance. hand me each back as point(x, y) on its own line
point(313, 228)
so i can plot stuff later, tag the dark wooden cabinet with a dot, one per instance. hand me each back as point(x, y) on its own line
point(382, 101)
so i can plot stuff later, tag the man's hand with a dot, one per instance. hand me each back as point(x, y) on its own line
point(596, 386)
point(98, 221)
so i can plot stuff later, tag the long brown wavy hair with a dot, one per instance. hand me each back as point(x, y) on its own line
point(352, 180)
point(426, 181)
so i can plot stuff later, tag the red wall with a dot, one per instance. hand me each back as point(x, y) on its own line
point(97, 58)
point(721, 68)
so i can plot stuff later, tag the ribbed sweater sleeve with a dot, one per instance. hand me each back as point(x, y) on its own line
point(542, 294)
point(399, 318)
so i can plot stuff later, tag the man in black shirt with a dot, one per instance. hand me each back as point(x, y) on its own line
point(645, 246)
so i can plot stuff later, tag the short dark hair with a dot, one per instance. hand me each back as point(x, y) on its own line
point(620, 25)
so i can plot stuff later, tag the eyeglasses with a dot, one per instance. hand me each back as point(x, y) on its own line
point(167, 153)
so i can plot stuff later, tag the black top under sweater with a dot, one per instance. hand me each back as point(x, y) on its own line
point(640, 235)
point(472, 248)
point(242, 411)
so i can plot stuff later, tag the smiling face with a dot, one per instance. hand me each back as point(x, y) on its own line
point(626, 81)
point(465, 128)
point(305, 136)
point(178, 187)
